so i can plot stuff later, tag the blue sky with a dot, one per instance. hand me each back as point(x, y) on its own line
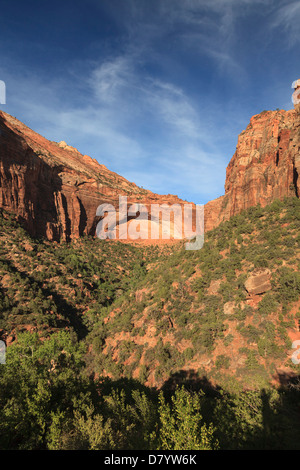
point(157, 90)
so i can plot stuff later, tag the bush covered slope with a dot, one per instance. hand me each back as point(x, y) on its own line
point(100, 335)
point(192, 311)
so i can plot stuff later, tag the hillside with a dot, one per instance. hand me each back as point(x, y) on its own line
point(230, 309)
point(113, 345)
point(47, 286)
point(97, 329)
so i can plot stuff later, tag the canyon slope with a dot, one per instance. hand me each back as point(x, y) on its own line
point(97, 331)
point(55, 190)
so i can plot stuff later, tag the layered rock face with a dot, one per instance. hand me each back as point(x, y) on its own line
point(264, 167)
point(55, 190)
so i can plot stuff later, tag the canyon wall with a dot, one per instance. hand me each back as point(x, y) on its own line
point(264, 167)
point(55, 190)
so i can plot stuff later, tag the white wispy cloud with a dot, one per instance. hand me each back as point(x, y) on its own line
point(110, 126)
point(125, 94)
point(172, 106)
point(286, 18)
point(144, 124)
point(110, 77)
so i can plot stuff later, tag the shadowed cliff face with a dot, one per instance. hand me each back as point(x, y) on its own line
point(264, 167)
point(55, 190)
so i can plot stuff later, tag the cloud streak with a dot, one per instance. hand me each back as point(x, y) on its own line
point(287, 18)
point(145, 128)
point(153, 109)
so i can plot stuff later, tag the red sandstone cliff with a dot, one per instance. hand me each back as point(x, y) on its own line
point(55, 191)
point(264, 167)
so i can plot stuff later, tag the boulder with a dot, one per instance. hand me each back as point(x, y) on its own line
point(258, 282)
point(229, 308)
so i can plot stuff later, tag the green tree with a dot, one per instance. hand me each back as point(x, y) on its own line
point(182, 426)
point(40, 379)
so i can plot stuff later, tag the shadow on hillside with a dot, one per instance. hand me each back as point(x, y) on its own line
point(258, 419)
point(106, 386)
point(287, 380)
point(281, 423)
point(64, 309)
point(190, 380)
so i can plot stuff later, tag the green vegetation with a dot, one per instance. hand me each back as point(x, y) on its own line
point(182, 311)
point(47, 401)
point(115, 346)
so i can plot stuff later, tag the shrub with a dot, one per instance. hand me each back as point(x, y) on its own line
point(222, 362)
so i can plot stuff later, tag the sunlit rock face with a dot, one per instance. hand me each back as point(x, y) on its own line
point(264, 167)
point(296, 95)
point(55, 190)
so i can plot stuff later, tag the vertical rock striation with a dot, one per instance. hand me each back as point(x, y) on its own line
point(264, 167)
point(55, 190)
